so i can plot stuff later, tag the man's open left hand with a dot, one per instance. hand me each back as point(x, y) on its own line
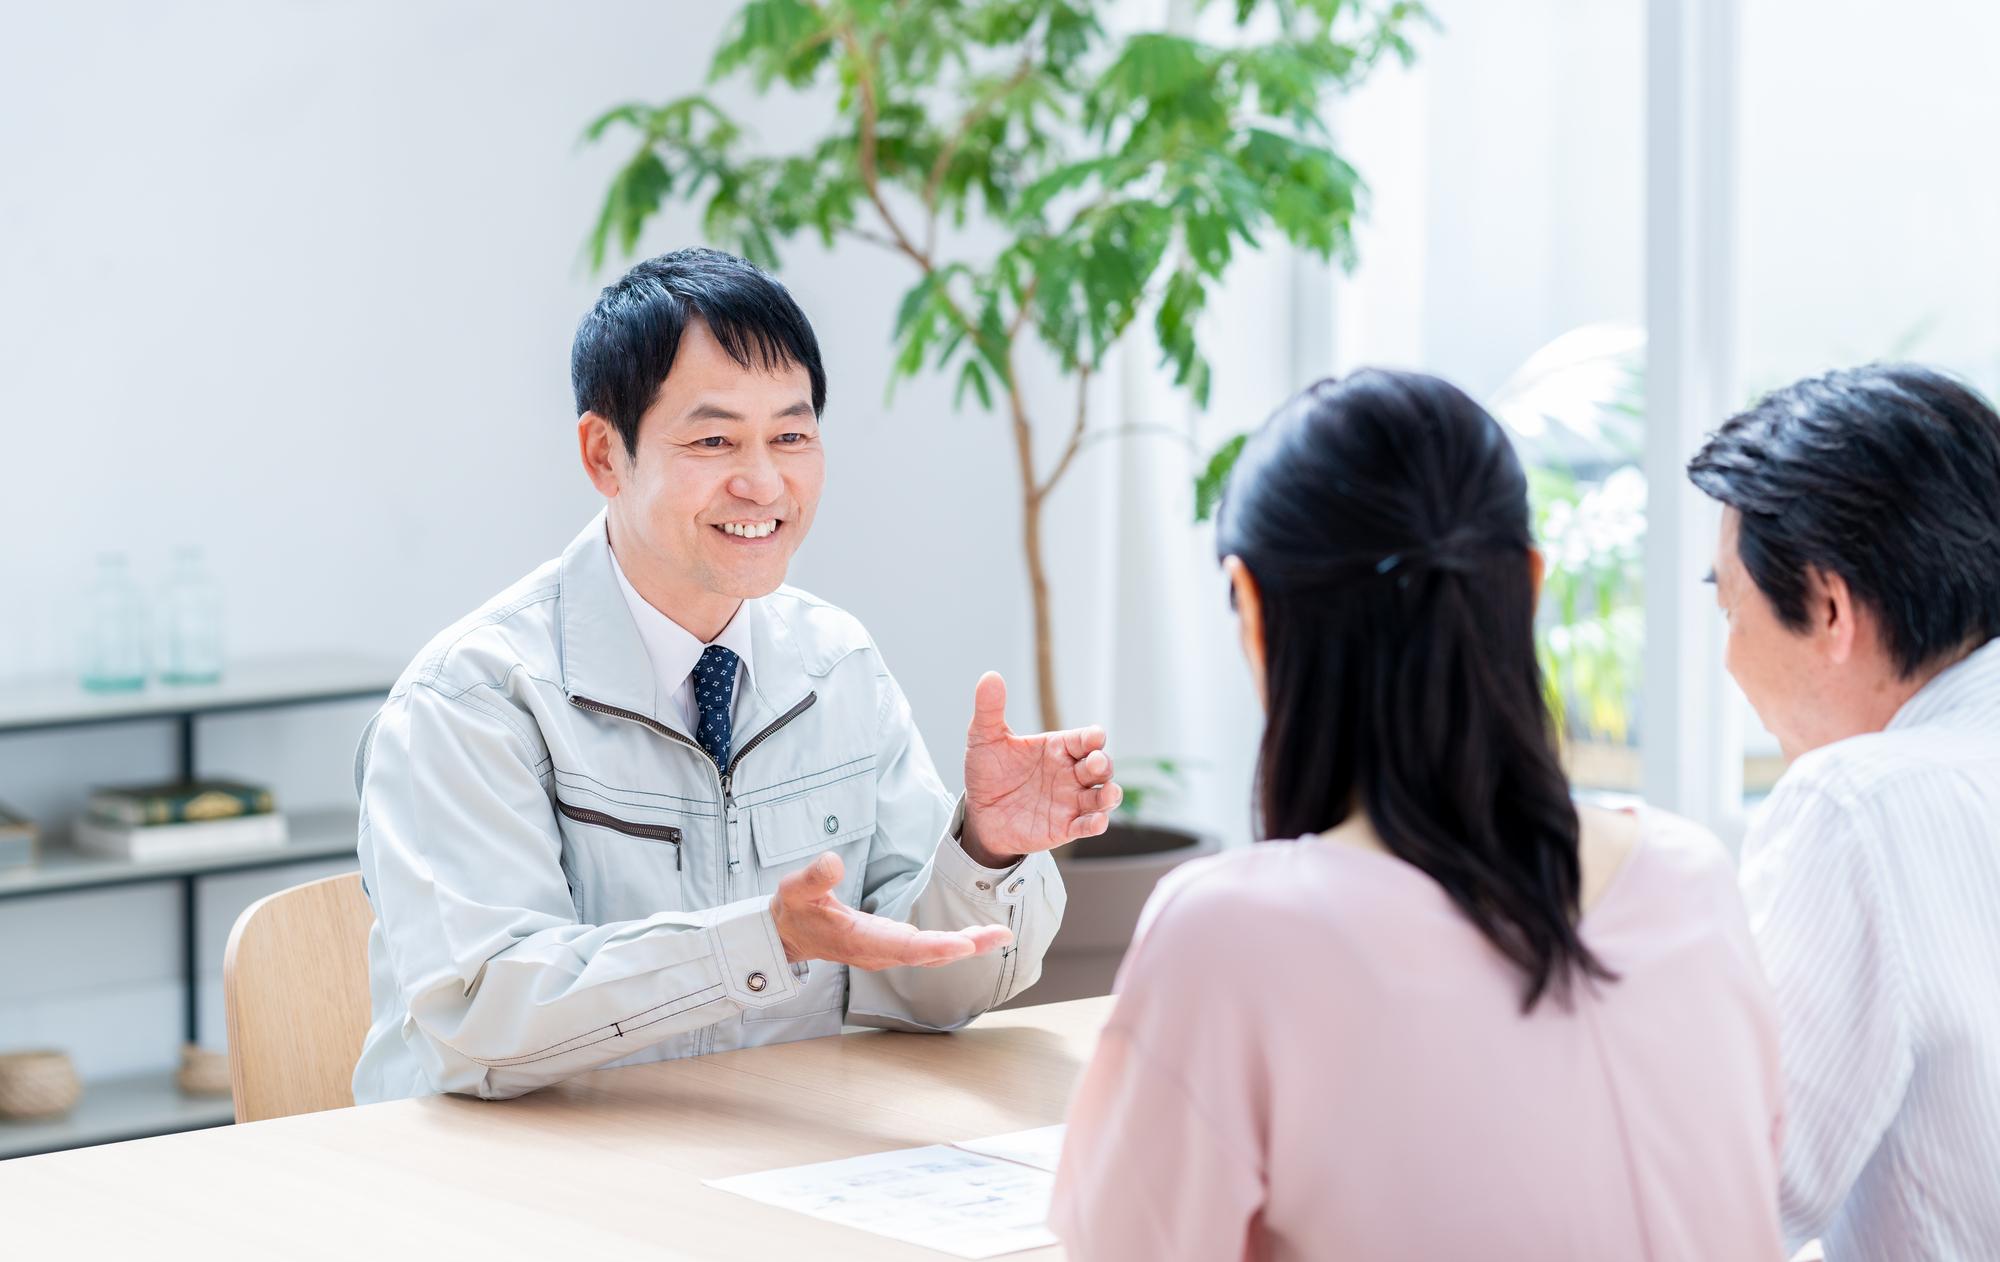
point(1025, 794)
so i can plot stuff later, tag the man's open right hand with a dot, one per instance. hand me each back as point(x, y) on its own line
point(814, 925)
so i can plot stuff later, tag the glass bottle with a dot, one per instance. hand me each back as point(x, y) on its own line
point(191, 613)
point(114, 632)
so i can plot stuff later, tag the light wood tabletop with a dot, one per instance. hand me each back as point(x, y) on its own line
point(612, 1160)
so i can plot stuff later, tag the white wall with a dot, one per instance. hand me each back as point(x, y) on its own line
point(1869, 188)
point(296, 282)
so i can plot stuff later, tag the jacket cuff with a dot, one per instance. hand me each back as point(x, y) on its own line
point(967, 875)
point(755, 972)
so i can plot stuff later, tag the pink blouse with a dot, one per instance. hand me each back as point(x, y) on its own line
point(1315, 1055)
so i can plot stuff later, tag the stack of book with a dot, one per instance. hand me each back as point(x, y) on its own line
point(179, 821)
point(17, 839)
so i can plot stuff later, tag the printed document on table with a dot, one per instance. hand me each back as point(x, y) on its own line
point(957, 1202)
point(1040, 1148)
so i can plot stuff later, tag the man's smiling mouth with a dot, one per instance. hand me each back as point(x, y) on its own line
point(751, 529)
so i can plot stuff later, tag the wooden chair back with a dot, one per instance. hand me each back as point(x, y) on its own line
point(295, 983)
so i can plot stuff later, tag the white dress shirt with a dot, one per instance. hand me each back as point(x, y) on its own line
point(675, 651)
point(1873, 882)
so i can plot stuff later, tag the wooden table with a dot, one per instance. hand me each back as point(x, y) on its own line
point(609, 1164)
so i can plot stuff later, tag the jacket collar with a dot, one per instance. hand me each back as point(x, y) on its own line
point(604, 660)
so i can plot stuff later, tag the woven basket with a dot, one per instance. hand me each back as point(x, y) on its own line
point(203, 1072)
point(37, 1084)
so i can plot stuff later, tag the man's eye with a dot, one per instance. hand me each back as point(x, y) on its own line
point(790, 439)
point(714, 443)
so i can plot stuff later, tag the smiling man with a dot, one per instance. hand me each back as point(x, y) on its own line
point(649, 802)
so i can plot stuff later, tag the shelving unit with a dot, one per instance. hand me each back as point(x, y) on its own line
point(150, 1104)
point(112, 1109)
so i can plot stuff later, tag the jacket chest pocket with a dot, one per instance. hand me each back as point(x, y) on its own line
point(790, 831)
point(620, 867)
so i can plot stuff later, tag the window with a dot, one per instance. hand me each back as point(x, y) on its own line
point(1504, 249)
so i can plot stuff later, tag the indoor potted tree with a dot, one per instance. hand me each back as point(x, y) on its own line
point(1113, 175)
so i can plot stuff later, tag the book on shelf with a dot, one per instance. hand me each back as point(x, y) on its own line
point(180, 803)
point(190, 840)
point(17, 838)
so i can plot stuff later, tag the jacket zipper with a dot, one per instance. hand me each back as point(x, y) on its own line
point(805, 703)
point(651, 832)
point(723, 775)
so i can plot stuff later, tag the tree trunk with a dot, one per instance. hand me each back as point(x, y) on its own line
point(1038, 591)
point(1033, 491)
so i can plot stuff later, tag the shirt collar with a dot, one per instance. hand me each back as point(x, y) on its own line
point(672, 648)
point(1973, 680)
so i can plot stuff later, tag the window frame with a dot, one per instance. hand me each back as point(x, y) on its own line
point(1691, 757)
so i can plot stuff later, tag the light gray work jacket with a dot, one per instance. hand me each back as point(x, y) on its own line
point(563, 880)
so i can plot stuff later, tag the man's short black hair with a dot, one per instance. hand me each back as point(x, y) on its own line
point(1887, 475)
point(625, 344)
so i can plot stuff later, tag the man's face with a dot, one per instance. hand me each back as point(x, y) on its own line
point(1778, 668)
point(723, 486)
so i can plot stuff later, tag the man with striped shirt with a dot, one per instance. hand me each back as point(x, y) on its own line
point(1858, 566)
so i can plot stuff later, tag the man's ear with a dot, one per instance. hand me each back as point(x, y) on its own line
point(1834, 614)
point(603, 452)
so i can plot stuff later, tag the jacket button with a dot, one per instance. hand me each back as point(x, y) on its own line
point(984, 885)
point(756, 982)
point(832, 825)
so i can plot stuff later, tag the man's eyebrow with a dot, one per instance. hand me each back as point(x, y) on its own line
point(711, 412)
point(717, 412)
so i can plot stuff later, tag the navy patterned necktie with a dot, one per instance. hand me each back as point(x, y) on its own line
point(714, 687)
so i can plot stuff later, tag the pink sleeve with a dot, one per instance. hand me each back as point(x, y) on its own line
point(1162, 1159)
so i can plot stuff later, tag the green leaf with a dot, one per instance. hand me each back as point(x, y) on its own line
point(635, 196)
point(630, 113)
point(1159, 85)
point(1214, 479)
point(1157, 67)
point(970, 373)
point(926, 314)
point(1198, 381)
point(915, 304)
point(992, 342)
point(774, 39)
point(1066, 178)
point(1181, 302)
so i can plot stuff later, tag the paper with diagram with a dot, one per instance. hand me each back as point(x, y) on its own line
point(954, 1199)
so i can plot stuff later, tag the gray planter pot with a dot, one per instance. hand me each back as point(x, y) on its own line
point(1109, 879)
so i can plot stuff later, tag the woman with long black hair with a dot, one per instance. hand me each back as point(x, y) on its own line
point(1444, 1012)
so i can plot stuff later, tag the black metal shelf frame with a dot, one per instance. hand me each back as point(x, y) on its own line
point(187, 760)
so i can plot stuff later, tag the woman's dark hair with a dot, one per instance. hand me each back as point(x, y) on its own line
point(626, 343)
point(1385, 520)
point(1887, 475)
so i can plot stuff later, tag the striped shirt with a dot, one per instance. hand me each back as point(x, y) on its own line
point(1873, 882)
